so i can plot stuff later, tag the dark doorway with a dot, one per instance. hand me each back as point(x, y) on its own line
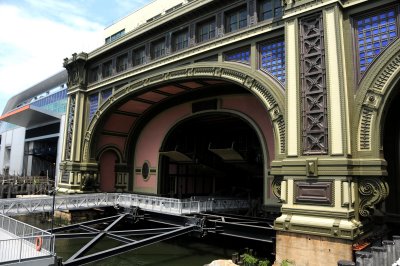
point(213, 154)
point(391, 148)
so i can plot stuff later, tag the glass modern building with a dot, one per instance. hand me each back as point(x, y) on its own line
point(31, 129)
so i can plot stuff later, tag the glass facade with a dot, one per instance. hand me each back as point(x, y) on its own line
point(272, 59)
point(373, 34)
point(56, 102)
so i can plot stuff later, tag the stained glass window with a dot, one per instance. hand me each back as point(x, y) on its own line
point(272, 59)
point(373, 34)
point(240, 56)
point(93, 105)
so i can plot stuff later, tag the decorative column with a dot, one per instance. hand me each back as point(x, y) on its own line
point(75, 175)
point(322, 196)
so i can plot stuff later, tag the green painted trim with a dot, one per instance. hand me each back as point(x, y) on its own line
point(372, 100)
point(318, 213)
point(151, 191)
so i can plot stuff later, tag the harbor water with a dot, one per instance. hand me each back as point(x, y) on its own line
point(180, 251)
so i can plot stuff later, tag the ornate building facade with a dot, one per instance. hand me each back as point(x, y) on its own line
point(294, 102)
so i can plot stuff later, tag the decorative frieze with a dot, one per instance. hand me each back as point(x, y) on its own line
point(313, 85)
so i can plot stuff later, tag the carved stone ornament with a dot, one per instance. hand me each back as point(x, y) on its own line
point(372, 191)
point(276, 186)
point(313, 80)
point(76, 69)
point(89, 181)
point(70, 125)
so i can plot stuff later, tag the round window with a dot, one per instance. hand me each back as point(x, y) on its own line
point(145, 170)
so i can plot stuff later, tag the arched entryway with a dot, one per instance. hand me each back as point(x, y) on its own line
point(107, 162)
point(391, 148)
point(212, 154)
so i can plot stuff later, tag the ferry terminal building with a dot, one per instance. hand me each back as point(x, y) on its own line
point(292, 102)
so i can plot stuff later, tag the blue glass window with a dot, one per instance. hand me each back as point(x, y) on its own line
point(239, 56)
point(93, 105)
point(105, 94)
point(272, 59)
point(374, 34)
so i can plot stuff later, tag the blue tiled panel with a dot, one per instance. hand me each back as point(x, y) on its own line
point(272, 59)
point(93, 104)
point(374, 34)
point(105, 94)
point(242, 56)
point(56, 102)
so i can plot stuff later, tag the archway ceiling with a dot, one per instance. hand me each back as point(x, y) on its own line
point(122, 118)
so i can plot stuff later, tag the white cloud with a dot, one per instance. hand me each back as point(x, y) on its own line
point(33, 46)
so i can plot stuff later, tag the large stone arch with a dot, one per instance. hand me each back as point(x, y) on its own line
point(372, 100)
point(268, 91)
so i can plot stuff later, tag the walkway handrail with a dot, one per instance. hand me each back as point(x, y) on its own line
point(24, 241)
point(97, 200)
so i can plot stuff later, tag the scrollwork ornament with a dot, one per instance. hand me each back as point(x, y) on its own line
point(372, 191)
point(276, 186)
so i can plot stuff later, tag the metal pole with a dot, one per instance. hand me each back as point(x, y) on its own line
point(53, 211)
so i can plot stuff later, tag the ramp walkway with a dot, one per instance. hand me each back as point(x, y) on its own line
point(19, 206)
point(21, 242)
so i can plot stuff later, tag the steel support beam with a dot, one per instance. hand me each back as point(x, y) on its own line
point(128, 247)
point(95, 239)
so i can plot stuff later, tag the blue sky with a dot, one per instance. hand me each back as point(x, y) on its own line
point(35, 36)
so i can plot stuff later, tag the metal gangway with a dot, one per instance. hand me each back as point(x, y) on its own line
point(21, 242)
point(19, 206)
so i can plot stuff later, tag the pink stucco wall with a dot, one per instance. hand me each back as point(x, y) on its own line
point(107, 171)
point(107, 140)
point(252, 107)
point(150, 140)
point(152, 136)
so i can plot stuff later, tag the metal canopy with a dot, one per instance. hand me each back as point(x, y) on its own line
point(28, 116)
point(227, 154)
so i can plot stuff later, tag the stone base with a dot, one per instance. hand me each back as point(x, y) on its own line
point(309, 250)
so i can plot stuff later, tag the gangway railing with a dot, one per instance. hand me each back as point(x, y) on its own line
point(20, 241)
point(19, 206)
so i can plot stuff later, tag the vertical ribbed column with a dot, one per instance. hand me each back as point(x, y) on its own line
point(292, 86)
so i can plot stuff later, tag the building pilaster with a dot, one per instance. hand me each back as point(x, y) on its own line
point(76, 175)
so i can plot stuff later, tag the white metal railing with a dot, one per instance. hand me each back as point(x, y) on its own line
point(23, 241)
point(95, 200)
